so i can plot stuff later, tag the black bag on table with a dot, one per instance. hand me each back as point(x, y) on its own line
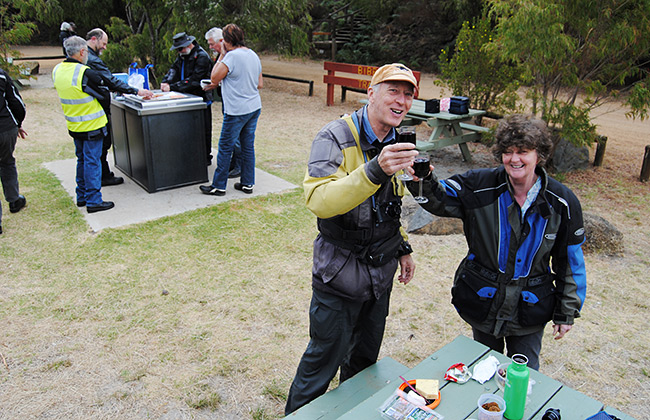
point(432, 106)
point(459, 105)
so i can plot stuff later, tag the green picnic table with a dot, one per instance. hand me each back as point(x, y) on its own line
point(448, 128)
point(359, 397)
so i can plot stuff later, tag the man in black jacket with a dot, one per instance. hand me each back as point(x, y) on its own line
point(12, 114)
point(192, 65)
point(97, 40)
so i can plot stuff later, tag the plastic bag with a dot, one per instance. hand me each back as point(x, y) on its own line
point(136, 80)
point(134, 71)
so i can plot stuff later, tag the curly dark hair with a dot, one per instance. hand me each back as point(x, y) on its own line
point(523, 132)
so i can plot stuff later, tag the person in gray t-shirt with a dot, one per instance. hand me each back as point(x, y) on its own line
point(240, 75)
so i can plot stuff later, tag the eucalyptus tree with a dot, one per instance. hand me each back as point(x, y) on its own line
point(575, 56)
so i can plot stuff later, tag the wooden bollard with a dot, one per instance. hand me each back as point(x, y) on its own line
point(645, 168)
point(600, 150)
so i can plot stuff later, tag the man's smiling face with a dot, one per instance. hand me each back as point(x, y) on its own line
point(389, 102)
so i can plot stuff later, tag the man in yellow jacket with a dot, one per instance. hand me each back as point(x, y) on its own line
point(80, 90)
point(350, 186)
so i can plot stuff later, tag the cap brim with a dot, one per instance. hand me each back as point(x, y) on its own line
point(191, 39)
point(398, 78)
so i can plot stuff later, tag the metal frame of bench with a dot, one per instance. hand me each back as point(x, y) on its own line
point(292, 79)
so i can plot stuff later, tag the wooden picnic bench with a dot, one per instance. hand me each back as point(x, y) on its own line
point(361, 83)
point(359, 397)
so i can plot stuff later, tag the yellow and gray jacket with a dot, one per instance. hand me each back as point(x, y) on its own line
point(83, 112)
point(358, 207)
point(506, 284)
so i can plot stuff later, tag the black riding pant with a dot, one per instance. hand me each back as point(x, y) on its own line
point(345, 334)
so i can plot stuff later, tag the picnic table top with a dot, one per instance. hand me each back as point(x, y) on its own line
point(459, 401)
point(418, 106)
point(417, 111)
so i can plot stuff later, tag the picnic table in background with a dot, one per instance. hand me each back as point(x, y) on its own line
point(448, 128)
point(359, 397)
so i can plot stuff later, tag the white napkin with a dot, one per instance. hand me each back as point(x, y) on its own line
point(416, 399)
point(485, 369)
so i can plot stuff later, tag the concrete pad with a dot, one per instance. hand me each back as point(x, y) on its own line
point(133, 204)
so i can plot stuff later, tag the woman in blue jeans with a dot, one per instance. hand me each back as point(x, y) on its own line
point(239, 71)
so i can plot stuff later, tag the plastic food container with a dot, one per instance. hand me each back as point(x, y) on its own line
point(484, 414)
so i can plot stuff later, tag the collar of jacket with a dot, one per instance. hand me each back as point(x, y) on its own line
point(366, 146)
point(541, 204)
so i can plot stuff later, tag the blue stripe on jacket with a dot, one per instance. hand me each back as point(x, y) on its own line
point(529, 247)
point(505, 201)
point(578, 270)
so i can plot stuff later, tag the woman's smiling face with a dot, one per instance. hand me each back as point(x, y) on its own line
point(520, 164)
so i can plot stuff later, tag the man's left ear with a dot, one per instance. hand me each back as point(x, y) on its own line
point(371, 93)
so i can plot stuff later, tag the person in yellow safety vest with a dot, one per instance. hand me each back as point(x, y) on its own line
point(80, 91)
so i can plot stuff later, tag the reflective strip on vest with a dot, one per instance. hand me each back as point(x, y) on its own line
point(77, 101)
point(85, 117)
point(83, 112)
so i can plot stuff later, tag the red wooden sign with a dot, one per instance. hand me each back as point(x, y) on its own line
point(367, 71)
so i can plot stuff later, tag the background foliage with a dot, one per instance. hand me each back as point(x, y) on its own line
point(559, 59)
point(575, 56)
point(13, 30)
point(463, 69)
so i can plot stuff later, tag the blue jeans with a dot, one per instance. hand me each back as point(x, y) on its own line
point(89, 170)
point(235, 127)
point(235, 163)
point(8, 172)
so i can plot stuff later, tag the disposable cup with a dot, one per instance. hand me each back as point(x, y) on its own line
point(484, 414)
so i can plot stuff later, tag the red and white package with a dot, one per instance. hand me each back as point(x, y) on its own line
point(458, 373)
point(444, 104)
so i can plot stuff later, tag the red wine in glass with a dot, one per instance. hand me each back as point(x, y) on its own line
point(421, 166)
point(421, 169)
point(406, 135)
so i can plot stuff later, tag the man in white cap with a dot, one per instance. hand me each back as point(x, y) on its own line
point(350, 186)
point(192, 65)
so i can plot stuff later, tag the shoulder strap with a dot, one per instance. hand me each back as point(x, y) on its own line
point(353, 123)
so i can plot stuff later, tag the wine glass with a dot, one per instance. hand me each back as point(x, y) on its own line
point(421, 169)
point(406, 135)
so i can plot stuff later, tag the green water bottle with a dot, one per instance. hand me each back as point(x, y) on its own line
point(516, 387)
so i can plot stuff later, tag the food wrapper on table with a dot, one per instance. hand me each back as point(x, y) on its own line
point(399, 407)
point(444, 104)
point(458, 373)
